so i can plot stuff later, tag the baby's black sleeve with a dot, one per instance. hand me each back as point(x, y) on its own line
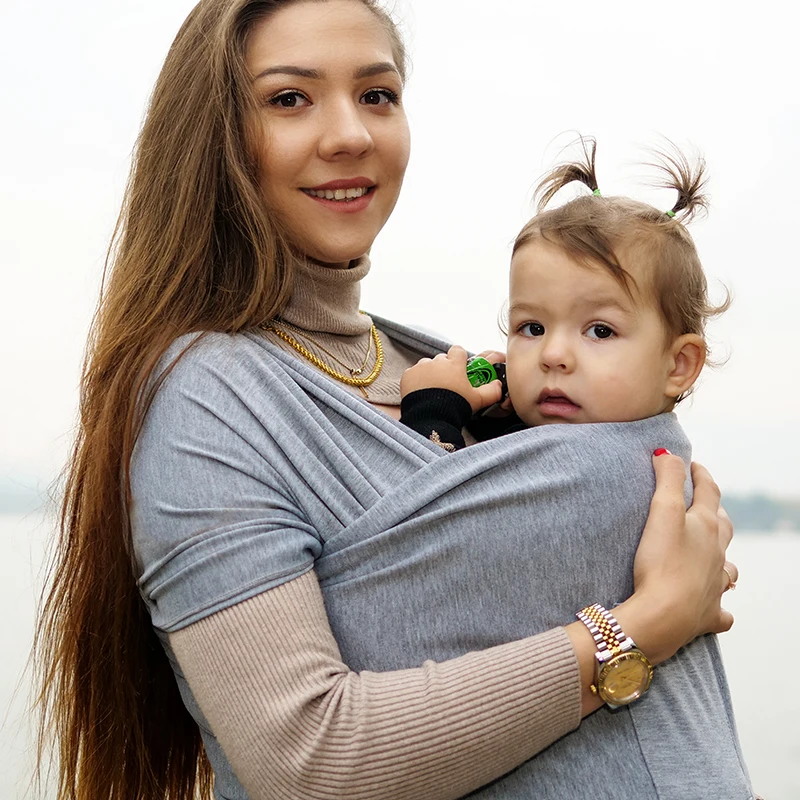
point(438, 415)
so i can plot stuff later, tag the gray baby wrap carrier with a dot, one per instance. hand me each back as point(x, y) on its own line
point(421, 555)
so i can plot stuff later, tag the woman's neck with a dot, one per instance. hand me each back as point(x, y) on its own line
point(325, 306)
point(327, 299)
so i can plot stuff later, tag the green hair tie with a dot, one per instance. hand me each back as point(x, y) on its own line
point(670, 213)
point(597, 192)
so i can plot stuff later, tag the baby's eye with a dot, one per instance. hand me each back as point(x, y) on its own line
point(532, 329)
point(291, 98)
point(380, 97)
point(599, 331)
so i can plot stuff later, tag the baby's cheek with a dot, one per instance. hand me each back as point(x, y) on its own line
point(620, 398)
point(527, 413)
point(643, 397)
point(522, 401)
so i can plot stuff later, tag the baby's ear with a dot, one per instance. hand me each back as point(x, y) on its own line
point(687, 356)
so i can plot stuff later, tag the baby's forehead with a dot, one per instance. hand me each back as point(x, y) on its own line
point(541, 265)
point(575, 301)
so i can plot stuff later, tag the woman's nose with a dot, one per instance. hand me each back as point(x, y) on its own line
point(344, 132)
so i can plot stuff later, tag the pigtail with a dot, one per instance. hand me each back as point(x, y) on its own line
point(582, 170)
point(687, 178)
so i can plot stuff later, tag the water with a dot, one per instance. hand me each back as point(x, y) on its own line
point(761, 653)
point(21, 553)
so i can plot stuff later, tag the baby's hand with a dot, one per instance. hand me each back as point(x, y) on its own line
point(449, 371)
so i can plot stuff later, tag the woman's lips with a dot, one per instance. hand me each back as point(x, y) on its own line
point(342, 196)
point(345, 183)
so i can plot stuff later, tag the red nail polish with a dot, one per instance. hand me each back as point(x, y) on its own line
point(662, 451)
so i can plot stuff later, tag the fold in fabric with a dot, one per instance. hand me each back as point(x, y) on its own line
point(253, 468)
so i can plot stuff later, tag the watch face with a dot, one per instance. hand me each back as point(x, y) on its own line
point(624, 678)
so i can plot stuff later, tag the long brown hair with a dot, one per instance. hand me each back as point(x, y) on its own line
point(194, 250)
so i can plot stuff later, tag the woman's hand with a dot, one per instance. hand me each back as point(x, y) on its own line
point(449, 371)
point(680, 571)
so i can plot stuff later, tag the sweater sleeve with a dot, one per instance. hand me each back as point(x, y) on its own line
point(438, 415)
point(295, 722)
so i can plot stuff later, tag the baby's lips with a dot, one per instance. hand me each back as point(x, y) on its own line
point(554, 395)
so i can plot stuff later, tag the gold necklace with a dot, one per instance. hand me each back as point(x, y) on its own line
point(349, 380)
point(353, 372)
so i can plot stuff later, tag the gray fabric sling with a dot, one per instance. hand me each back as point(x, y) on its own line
point(252, 468)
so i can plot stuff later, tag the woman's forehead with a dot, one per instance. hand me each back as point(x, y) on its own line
point(312, 35)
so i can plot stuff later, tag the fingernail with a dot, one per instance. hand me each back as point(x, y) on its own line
point(662, 451)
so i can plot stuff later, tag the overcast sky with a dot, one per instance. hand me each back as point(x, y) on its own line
point(495, 90)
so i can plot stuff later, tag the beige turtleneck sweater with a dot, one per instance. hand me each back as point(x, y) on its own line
point(297, 724)
point(325, 304)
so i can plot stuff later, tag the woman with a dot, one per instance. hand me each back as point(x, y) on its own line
point(238, 478)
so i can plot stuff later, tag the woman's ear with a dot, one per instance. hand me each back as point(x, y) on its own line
point(687, 356)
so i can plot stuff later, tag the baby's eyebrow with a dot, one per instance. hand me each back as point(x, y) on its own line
point(524, 307)
point(589, 305)
point(602, 303)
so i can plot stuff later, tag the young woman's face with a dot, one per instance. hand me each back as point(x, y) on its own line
point(335, 138)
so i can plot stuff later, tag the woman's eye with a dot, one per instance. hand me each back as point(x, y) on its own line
point(532, 329)
point(289, 99)
point(380, 97)
point(599, 331)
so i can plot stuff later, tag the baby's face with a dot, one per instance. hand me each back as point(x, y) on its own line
point(580, 349)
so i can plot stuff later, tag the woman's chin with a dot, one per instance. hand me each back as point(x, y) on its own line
point(337, 246)
point(339, 258)
point(329, 264)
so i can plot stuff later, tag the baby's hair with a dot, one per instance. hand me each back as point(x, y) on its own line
point(688, 180)
point(613, 231)
point(582, 171)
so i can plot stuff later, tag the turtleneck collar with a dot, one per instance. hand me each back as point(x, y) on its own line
point(326, 300)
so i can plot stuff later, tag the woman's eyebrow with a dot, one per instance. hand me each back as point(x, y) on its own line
point(300, 72)
point(367, 71)
point(376, 69)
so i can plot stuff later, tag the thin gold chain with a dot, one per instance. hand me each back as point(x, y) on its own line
point(353, 371)
point(349, 380)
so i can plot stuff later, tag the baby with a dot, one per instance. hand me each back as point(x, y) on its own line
point(607, 311)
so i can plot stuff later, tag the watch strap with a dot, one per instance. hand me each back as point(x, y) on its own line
point(609, 638)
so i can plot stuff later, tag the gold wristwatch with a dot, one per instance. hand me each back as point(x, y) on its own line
point(622, 671)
